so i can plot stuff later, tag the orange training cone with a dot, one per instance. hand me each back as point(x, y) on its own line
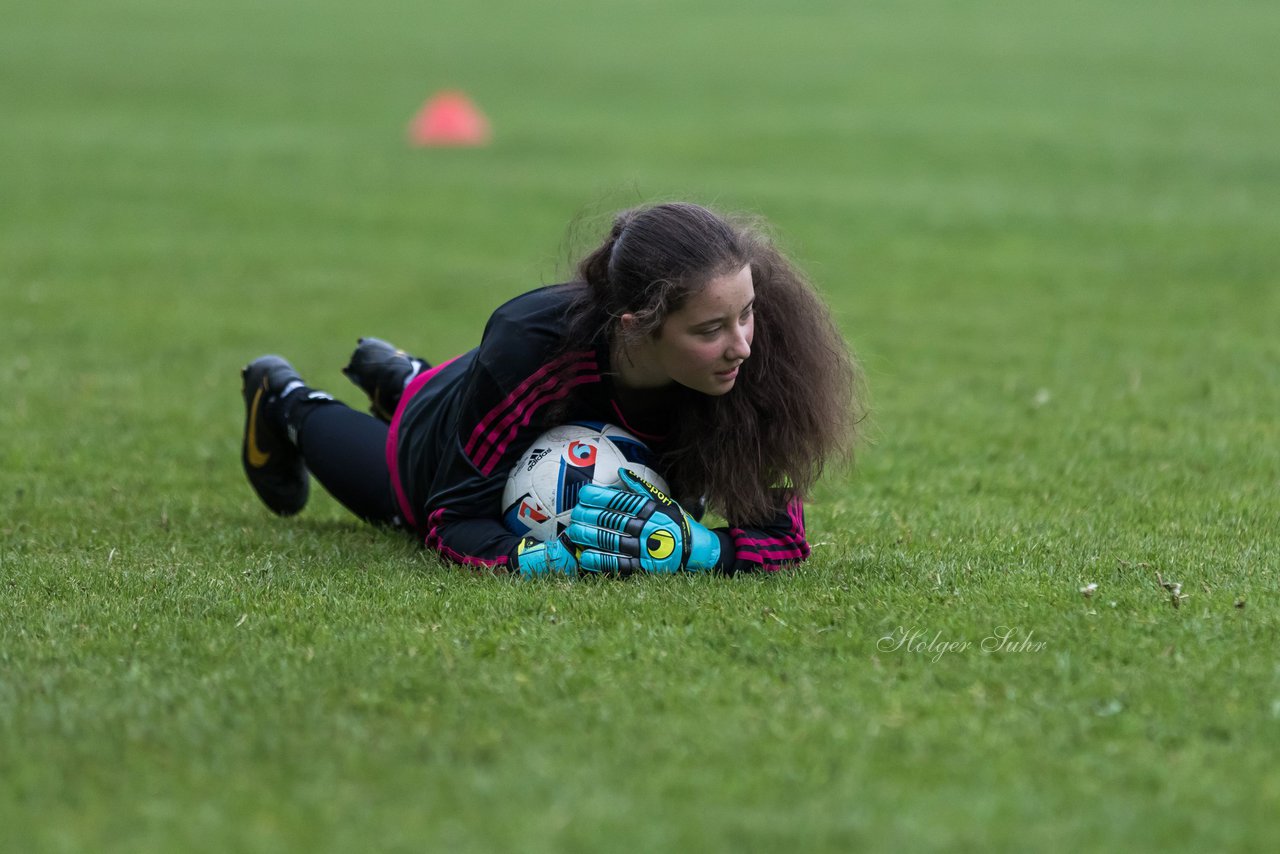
point(449, 119)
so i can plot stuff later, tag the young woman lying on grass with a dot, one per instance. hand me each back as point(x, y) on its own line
point(688, 330)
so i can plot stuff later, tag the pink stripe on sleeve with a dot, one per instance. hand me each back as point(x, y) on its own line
point(514, 410)
point(525, 413)
point(768, 541)
point(769, 552)
point(474, 449)
point(434, 541)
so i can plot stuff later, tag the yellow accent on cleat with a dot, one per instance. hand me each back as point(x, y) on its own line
point(256, 457)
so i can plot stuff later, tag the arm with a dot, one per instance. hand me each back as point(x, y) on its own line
point(464, 529)
point(462, 515)
point(515, 376)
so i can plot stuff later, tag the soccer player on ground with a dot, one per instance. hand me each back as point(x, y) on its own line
point(692, 332)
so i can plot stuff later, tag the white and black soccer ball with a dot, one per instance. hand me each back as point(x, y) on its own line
point(543, 486)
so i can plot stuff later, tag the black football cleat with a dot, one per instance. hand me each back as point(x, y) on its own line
point(272, 463)
point(382, 371)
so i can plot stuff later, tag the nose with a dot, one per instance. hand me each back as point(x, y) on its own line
point(740, 345)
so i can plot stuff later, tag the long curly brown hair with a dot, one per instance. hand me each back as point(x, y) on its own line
point(797, 403)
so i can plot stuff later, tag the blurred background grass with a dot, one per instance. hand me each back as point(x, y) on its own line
point(1050, 232)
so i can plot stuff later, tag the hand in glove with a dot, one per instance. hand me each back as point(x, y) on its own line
point(555, 557)
point(636, 528)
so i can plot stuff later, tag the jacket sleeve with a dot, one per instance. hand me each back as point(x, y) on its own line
point(511, 382)
point(776, 545)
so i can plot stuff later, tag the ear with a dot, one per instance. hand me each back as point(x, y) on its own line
point(627, 323)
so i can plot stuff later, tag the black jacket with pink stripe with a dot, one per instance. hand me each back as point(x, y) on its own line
point(462, 425)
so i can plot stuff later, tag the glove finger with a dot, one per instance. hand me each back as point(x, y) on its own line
point(607, 562)
point(611, 498)
point(638, 485)
point(608, 519)
point(534, 559)
point(602, 539)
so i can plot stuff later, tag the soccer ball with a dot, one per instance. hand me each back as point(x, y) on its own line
point(544, 485)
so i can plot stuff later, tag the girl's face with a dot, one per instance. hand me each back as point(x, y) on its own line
point(701, 345)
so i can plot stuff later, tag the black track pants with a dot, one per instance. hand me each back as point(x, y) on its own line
point(346, 451)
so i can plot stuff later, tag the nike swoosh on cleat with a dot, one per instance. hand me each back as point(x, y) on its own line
point(257, 458)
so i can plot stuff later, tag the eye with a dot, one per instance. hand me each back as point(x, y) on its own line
point(709, 333)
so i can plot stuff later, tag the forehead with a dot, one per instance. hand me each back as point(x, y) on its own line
point(723, 295)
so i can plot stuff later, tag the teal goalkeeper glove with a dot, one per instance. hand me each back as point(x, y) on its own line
point(555, 557)
point(636, 528)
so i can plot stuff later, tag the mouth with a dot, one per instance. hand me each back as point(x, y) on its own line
point(730, 374)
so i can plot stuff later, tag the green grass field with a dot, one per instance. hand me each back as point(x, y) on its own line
point(1052, 235)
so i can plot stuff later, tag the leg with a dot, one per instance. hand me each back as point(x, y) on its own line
point(382, 371)
point(346, 451)
point(292, 430)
